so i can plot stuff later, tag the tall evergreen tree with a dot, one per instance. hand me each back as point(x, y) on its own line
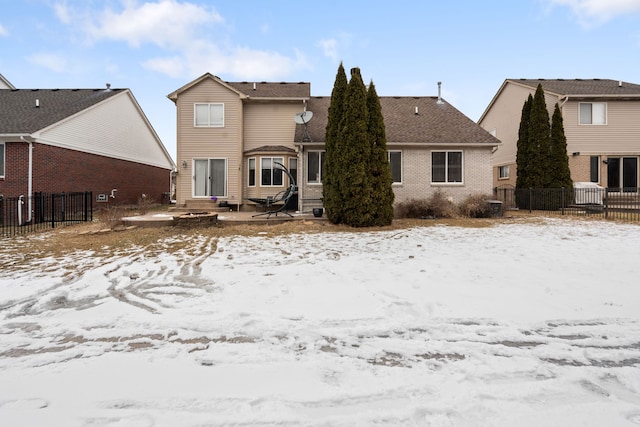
point(559, 173)
point(355, 183)
point(379, 168)
point(539, 140)
point(523, 152)
point(333, 148)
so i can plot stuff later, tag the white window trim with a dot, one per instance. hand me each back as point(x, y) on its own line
point(319, 181)
point(289, 161)
point(447, 183)
point(195, 106)
point(226, 178)
point(606, 114)
point(273, 159)
point(401, 166)
point(508, 169)
point(255, 169)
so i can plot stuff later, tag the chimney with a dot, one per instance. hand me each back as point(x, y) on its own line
point(440, 101)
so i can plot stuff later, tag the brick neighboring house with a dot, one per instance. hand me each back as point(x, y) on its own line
point(230, 134)
point(601, 122)
point(73, 140)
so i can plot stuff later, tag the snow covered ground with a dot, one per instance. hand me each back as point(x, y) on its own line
point(516, 324)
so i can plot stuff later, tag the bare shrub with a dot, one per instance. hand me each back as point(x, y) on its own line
point(475, 206)
point(111, 216)
point(438, 205)
point(145, 203)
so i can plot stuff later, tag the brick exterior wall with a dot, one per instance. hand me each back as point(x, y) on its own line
point(416, 177)
point(57, 170)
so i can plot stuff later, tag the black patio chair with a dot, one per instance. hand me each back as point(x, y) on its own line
point(280, 202)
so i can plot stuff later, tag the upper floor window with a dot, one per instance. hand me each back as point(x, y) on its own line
point(395, 161)
point(315, 162)
point(209, 115)
point(446, 166)
point(2, 157)
point(593, 113)
point(271, 173)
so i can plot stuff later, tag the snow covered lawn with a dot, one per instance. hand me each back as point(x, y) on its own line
point(527, 324)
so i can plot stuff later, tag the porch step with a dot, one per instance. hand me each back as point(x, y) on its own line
point(199, 206)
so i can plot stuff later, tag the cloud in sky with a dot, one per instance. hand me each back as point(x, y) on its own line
point(329, 48)
point(595, 12)
point(185, 33)
point(49, 61)
point(3, 31)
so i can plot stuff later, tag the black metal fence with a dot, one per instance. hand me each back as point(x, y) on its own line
point(619, 204)
point(24, 214)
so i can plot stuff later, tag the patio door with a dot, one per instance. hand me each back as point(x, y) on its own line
point(209, 177)
point(622, 174)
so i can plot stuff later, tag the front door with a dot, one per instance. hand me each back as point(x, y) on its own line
point(622, 174)
point(210, 177)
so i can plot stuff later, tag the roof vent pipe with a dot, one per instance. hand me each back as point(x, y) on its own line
point(254, 86)
point(37, 103)
point(416, 113)
point(620, 83)
point(440, 93)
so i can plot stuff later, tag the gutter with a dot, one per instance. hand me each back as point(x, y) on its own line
point(30, 179)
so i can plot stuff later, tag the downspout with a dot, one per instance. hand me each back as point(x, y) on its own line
point(566, 98)
point(30, 178)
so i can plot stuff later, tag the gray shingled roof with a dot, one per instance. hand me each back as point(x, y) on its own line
point(273, 90)
point(270, 149)
point(19, 114)
point(434, 124)
point(600, 87)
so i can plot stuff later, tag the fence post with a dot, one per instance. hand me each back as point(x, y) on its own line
point(562, 200)
point(530, 200)
point(91, 204)
point(606, 203)
point(53, 210)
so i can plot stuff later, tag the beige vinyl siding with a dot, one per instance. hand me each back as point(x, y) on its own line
point(269, 124)
point(504, 118)
point(114, 128)
point(209, 142)
point(621, 134)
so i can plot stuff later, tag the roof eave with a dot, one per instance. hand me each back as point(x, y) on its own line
point(277, 98)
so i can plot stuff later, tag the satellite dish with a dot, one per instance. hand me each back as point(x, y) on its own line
point(303, 117)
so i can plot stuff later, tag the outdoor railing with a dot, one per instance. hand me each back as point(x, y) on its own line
point(621, 204)
point(25, 214)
